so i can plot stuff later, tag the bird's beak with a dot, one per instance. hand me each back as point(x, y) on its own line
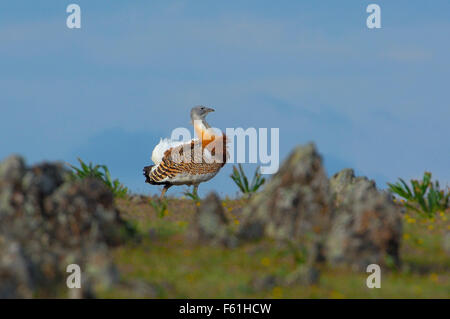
point(210, 110)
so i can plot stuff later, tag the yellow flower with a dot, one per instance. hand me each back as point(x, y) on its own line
point(441, 214)
point(165, 212)
point(419, 241)
point(198, 204)
point(417, 289)
point(402, 200)
point(265, 261)
point(190, 277)
point(444, 218)
point(411, 220)
point(236, 222)
point(230, 209)
point(336, 295)
point(406, 236)
point(448, 227)
point(181, 223)
point(434, 277)
point(187, 252)
point(430, 227)
point(277, 292)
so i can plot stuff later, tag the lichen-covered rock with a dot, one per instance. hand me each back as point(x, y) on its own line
point(295, 204)
point(210, 224)
point(294, 208)
point(12, 169)
point(48, 221)
point(15, 279)
point(345, 221)
point(367, 224)
point(303, 275)
point(340, 181)
point(261, 283)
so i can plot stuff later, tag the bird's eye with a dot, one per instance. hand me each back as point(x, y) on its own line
point(202, 108)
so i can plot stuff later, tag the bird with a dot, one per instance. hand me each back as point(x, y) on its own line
point(188, 162)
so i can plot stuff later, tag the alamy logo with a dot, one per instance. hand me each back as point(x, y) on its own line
point(374, 279)
point(231, 147)
point(74, 279)
point(374, 19)
point(74, 19)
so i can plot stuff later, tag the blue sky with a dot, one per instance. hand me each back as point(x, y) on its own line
point(374, 100)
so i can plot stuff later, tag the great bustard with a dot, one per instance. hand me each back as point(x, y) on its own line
point(191, 162)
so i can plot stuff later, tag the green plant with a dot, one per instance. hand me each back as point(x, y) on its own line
point(160, 206)
point(241, 180)
point(423, 196)
point(193, 195)
point(102, 173)
point(298, 252)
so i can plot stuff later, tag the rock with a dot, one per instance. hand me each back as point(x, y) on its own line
point(295, 205)
point(264, 283)
point(142, 289)
point(86, 214)
point(367, 225)
point(48, 221)
point(210, 223)
point(303, 275)
point(340, 181)
point(15, 280)
point(344, 221)
point(100, 273)
point(138, 199)
point(294, 208)
point(42, 180)
point(12, 169)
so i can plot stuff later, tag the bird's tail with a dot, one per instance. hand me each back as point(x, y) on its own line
point(147, 170)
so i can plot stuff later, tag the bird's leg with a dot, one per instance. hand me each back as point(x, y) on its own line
point(166, 187)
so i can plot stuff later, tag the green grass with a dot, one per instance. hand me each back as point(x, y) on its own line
point(100, 172)
point(160, 206)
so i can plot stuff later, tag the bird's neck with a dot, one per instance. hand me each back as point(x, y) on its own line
point(203, 131)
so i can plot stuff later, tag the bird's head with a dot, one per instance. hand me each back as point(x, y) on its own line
point(200, 112)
